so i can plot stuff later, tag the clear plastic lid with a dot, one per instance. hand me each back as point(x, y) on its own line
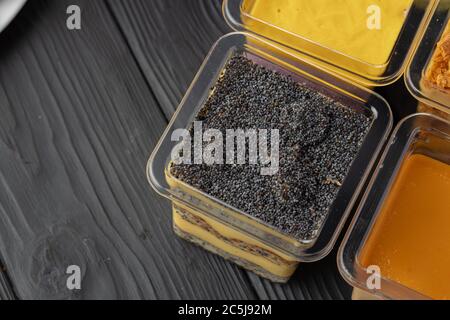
point(368, 42)
point(422, 74)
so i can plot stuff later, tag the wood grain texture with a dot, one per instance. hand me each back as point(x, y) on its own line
point(78, 121)
point(170, 39)
point(6, 291)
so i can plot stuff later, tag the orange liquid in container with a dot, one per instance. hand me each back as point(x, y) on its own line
point(410, 240)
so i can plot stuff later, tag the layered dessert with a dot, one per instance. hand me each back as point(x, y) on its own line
point(318, 137)
point(438, 71)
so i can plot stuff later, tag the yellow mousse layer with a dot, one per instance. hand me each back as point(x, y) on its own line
point(339, 25)
point(231, 244)
point(410, 240)
point(234, 245)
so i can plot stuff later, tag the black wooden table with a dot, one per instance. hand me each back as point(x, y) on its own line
point(80, 112)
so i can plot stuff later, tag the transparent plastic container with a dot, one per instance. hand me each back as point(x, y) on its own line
point(242, 15)
point(230, 232)
point(419, 133)
point(415, 73)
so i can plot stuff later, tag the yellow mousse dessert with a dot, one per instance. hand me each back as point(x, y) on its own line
point(357, 34)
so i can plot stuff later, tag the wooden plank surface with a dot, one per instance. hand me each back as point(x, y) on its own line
point(170, 39)
point(78, 121)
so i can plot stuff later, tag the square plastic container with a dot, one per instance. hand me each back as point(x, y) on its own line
point(230, 232)
point(415, 73)
point(422, 134)
point(391, 51)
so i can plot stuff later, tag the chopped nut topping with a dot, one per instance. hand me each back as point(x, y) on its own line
point(438, 72)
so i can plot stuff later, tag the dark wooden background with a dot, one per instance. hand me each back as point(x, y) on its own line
point(80, 112)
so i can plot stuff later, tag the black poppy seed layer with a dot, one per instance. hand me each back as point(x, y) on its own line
point(319, 139)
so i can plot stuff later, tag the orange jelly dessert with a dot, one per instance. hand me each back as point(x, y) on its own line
point(410, 240)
